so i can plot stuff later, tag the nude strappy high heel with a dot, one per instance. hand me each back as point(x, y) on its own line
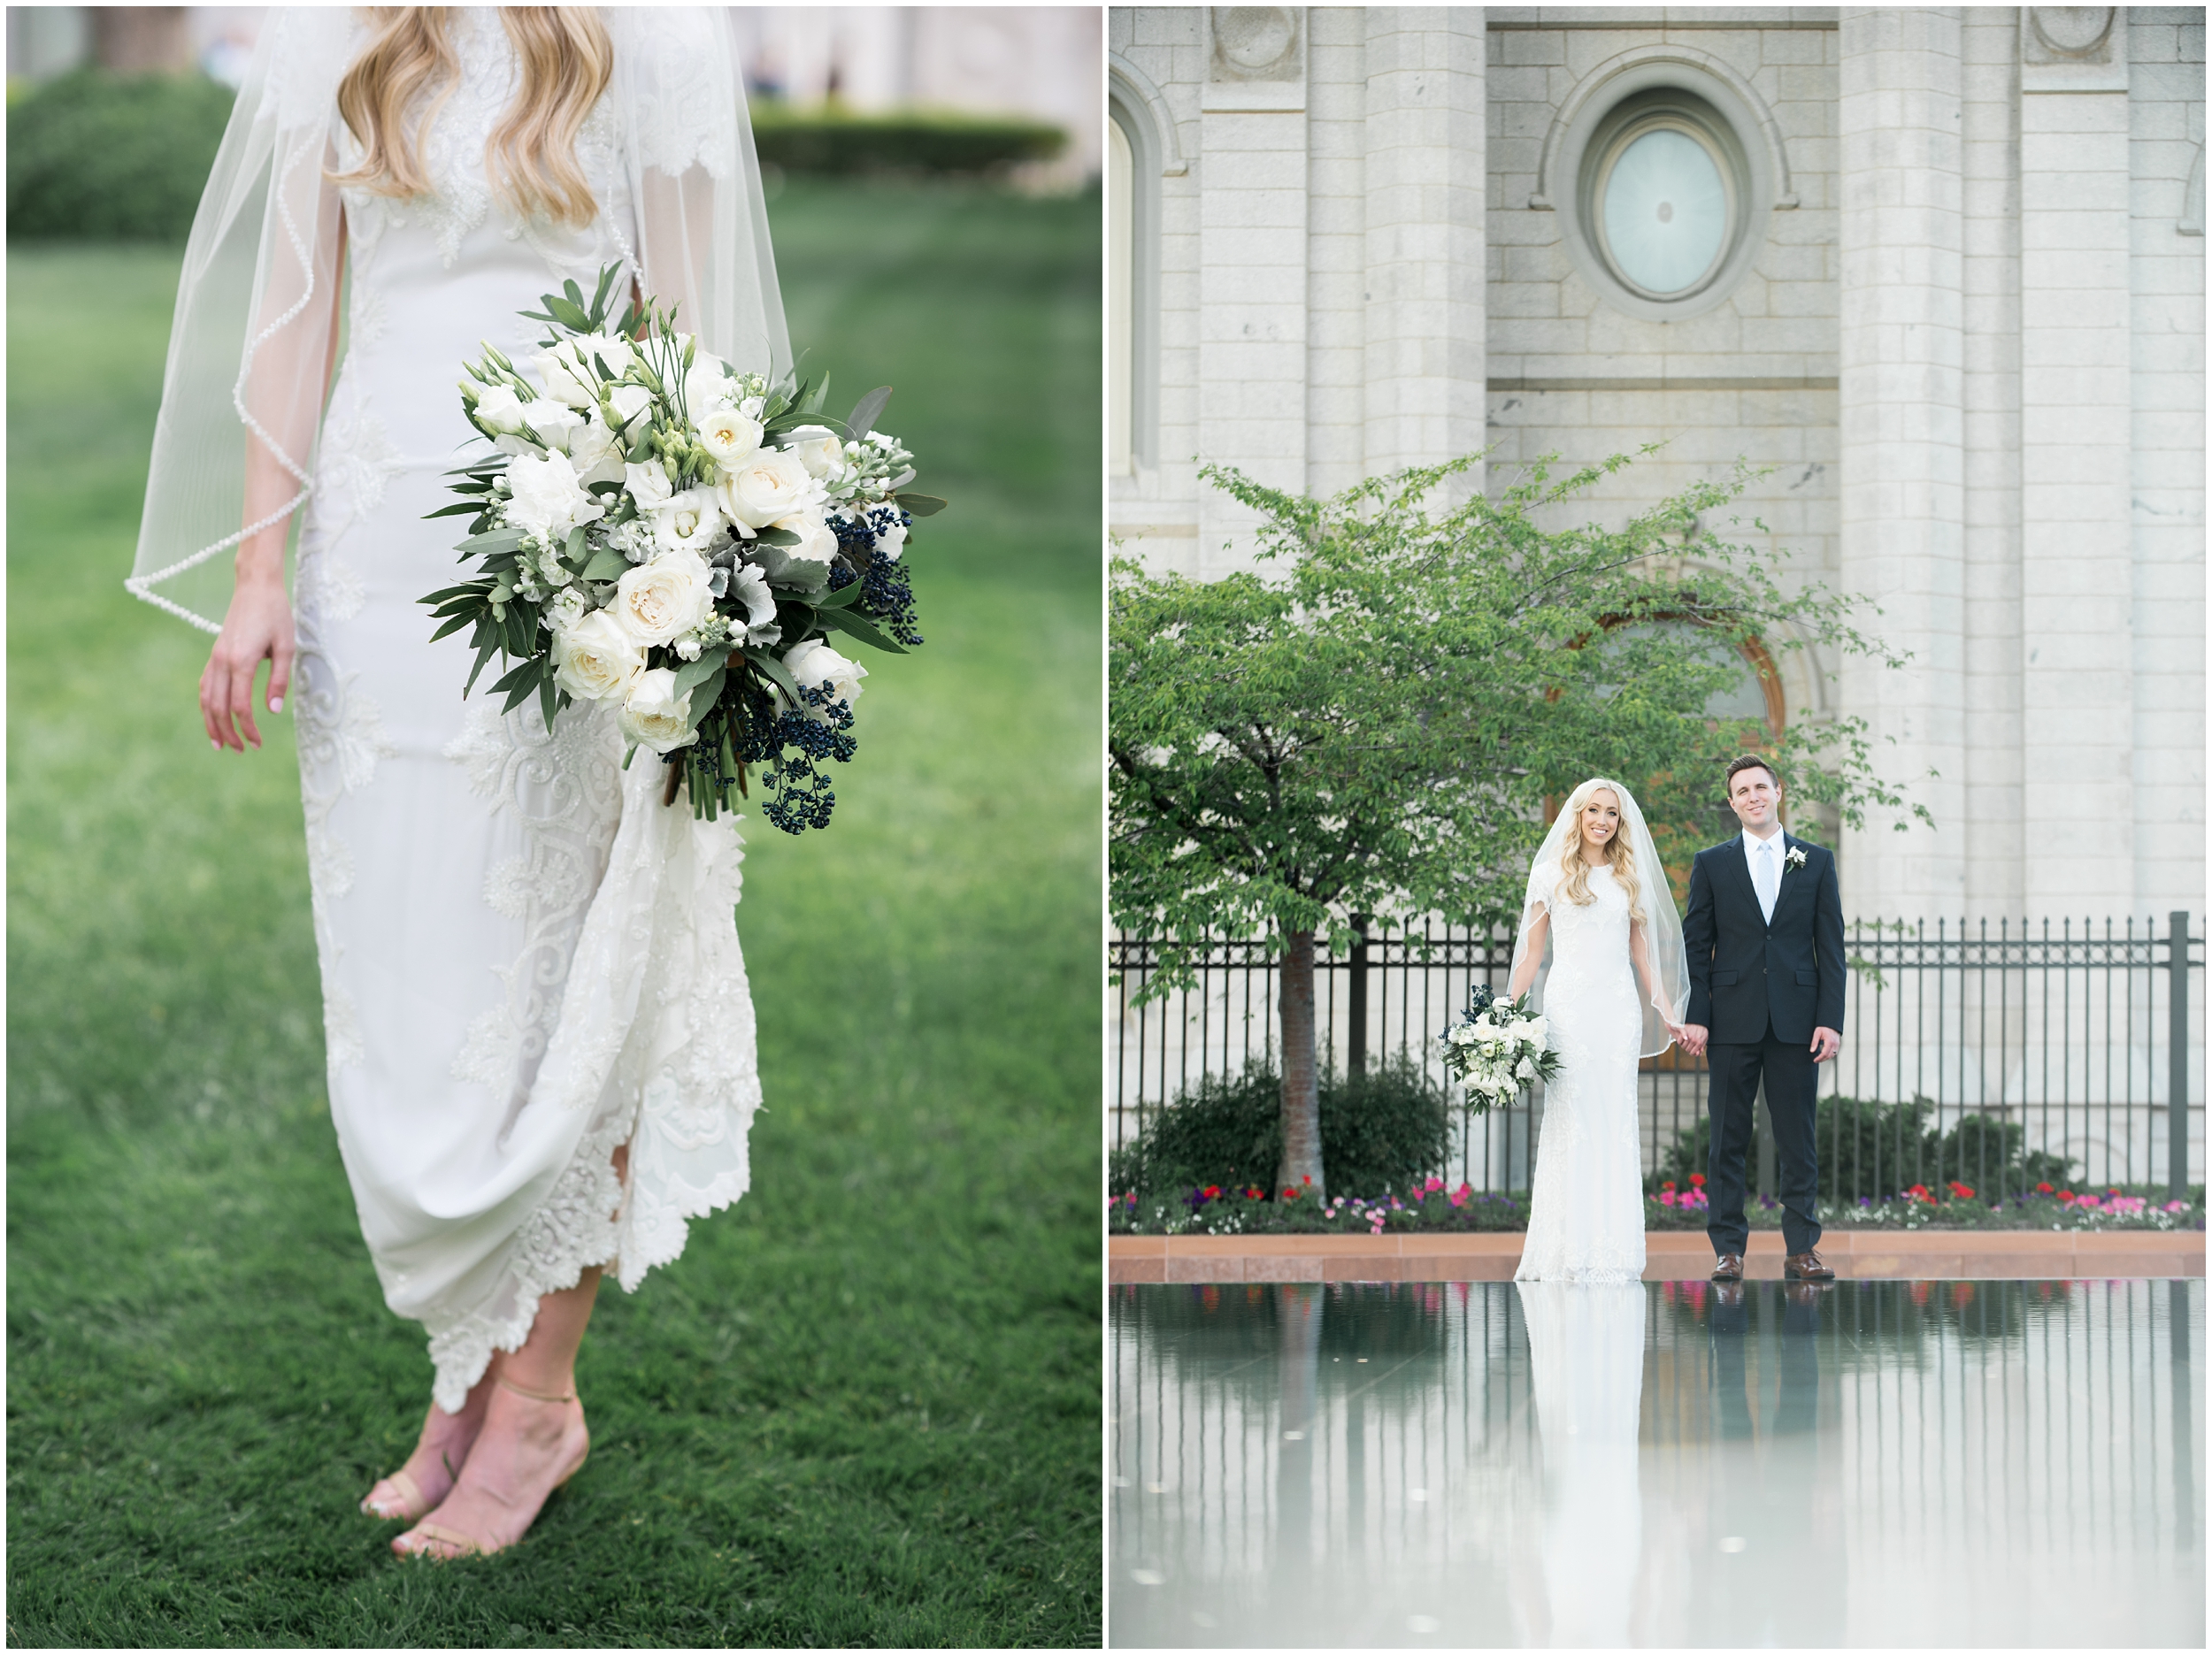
point(468, 1545)
point(408, 1491)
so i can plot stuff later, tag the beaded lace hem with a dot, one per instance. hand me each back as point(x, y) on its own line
point(654, 1048)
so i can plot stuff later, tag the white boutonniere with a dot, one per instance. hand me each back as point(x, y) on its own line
point(1795, 859)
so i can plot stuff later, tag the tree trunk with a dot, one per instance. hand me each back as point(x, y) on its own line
point(1301, 1094)
point(141, 39)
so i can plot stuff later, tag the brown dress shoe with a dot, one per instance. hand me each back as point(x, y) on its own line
point(1728, 1267)
point(1806, 1267)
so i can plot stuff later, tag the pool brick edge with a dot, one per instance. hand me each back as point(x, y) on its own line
point(1669, 1255)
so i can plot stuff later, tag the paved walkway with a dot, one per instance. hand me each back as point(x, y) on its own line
point(1669, 1255)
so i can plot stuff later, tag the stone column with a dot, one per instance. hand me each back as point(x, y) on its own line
point(1990, 125)
point(1252, 266)
point(2077, 591)
point(1425, 235)
point(1902, 399)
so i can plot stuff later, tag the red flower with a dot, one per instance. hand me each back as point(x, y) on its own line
point(1669, 1185)
point(1292, 1195)
point(2042, 1188)
point(1698, 1179)
point(2065, 1195)
point(1960, 1190)
point(1213, 1190)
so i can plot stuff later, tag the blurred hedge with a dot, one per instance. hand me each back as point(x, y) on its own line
point(926, 140)
point(104, 158)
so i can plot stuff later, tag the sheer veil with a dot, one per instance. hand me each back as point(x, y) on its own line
point(1662, 926)
point(249, 345)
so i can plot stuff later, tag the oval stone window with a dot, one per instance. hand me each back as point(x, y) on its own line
point(1664, 211)
point(1664, 186)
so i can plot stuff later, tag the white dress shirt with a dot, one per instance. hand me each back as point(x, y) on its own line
point(1765, 857)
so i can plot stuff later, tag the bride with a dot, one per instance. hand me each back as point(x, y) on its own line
point(1598, 894)
point(539, 1030)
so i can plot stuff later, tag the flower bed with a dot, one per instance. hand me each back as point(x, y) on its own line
point(1250, 1210)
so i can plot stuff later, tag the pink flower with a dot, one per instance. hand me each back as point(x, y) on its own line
point(2176, 1207)
point(1432, 1186)
point(2088, 1200)
point(1666, 1197)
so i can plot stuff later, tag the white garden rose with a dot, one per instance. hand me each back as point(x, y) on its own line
point(749, 588)
point(595, 659)
point(561, 370)
point(1536, 1030)
point(805, 564)
point(816, 446)
point(658, 601)
point(1526, 1070)
point(545, 499)
point(772, 484)
point(690, 522)
point(499, 409)
point(648, 485)
point(654, 716)
point(813, 662)
point(726, 434)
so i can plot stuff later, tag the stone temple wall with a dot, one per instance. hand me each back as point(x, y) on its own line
point(1963, 340)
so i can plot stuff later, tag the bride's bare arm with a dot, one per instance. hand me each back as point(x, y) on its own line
point(1532, 957)
point(257, 626)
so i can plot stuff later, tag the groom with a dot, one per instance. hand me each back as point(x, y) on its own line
point(1764, 936)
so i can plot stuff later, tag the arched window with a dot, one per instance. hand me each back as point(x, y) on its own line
point(1137, 153)
point(1121, 166)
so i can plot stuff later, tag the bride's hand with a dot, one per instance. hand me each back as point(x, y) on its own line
point(258, 627)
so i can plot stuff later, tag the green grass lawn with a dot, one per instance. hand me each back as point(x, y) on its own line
point(863, 1407)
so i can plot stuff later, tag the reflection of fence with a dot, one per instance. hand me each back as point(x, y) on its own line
point(1262, 1465)
point(2087, 1040)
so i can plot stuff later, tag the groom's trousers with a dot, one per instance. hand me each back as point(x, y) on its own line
point(1792, 1079)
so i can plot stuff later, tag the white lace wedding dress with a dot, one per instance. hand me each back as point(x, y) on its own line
point(527, 961)
point(1586, 1206)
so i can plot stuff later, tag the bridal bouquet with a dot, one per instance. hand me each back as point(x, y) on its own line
point(673, 535)
point(1496, 1049)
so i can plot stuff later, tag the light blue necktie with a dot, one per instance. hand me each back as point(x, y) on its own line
point(1767, 877)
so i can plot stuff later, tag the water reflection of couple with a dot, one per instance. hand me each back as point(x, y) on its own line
point(1586, 1361)
point(1753, 974)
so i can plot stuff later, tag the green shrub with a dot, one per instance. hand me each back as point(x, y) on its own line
point(920, 140)
point(104, 158)
point(1876, 1149)
point(1382, 1132)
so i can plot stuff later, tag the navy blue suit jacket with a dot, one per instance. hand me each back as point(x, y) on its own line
point(1746, 974)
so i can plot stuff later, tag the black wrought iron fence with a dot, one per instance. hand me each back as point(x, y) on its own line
point(1992, 1051)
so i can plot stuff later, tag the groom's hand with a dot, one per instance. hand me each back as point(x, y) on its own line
point(1693, 1036)
point(1826, 1044)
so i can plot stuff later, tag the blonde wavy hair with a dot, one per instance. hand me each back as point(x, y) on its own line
point(1618, 856)
point(566, 60)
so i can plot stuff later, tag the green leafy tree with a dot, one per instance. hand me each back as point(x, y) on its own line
point(1374, 724)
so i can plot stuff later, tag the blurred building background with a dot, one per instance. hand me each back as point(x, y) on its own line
point(1043, 63)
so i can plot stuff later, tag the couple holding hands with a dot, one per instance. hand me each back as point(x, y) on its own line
point(1751, 978)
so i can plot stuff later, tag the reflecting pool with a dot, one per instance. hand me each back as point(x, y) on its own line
point(1671, 1463)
